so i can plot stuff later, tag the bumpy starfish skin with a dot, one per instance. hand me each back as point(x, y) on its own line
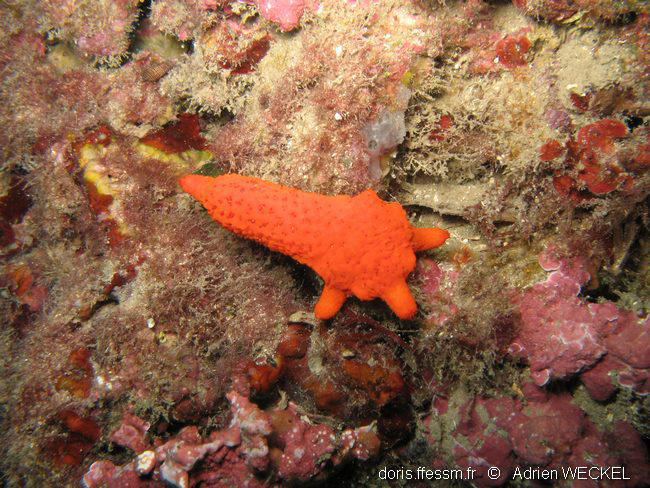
point(359, 245)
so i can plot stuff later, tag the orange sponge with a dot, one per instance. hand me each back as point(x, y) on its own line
point(359, 245)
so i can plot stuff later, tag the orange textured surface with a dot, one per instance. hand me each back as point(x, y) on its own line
point(359, 245)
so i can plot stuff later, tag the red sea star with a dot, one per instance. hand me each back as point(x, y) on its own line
point(359, 245)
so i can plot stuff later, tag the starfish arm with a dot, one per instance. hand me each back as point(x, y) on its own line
point(329, 303)
point(424, 239)
point(400, 300)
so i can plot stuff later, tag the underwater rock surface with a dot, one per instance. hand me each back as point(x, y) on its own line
point(142, 344)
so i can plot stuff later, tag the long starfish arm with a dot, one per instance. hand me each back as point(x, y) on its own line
point(424, 239)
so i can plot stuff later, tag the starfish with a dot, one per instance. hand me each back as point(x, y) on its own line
point(359, 245)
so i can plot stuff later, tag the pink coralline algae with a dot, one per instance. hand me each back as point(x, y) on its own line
point(543, 432)
point(436, 282)
point(131, 433)
point(478, 445)
point(539, 430)
point(296, 462)
point(308, 448)
point(279, 444)
point(562, 335)
point(102, 31)
point(627, 363)
point(285, 13)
